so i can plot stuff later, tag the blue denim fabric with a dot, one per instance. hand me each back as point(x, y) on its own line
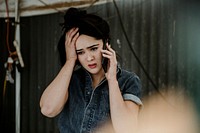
point(88, 108)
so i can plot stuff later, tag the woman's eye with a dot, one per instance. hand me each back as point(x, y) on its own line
point(79, 53)
point(94, 49)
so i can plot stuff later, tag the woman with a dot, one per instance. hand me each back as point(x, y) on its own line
point(88, 97)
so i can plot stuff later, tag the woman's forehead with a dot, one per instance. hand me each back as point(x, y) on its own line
point(85, 41)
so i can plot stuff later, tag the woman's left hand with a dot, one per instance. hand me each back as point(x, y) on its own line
point(110, 54)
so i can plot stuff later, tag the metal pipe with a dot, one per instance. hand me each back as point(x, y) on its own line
point(17, 73)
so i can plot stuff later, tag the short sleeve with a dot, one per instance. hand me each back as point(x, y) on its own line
point(132, 89)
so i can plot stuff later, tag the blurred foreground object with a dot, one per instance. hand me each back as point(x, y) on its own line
point(173, 113)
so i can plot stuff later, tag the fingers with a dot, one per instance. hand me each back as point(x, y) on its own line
point(109, 48)
point(72, 35)
point(75, 37)
point(109, 52)
point(72, 32)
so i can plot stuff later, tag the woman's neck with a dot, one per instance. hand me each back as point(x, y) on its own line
point(97, 78)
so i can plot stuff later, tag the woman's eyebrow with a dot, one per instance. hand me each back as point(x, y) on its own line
point(78, 50)
point(92, 46)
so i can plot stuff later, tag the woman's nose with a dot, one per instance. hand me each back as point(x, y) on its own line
point(90, 57)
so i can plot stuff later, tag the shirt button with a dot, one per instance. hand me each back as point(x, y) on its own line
point(88, 93)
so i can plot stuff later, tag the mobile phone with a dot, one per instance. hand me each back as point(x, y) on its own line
point(104, 60)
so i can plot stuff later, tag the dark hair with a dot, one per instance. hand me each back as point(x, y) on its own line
point(88, 24)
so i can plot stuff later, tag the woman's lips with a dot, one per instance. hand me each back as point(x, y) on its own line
point(92, 65)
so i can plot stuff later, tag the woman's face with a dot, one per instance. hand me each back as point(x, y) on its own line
point(89, 53)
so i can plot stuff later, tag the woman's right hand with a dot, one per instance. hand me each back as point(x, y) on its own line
point(56, 94)
point(70, 40)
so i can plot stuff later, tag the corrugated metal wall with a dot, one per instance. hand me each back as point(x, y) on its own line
point(163, 33)
point(39, 39)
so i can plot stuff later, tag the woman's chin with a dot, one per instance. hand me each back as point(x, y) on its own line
point(95, 71)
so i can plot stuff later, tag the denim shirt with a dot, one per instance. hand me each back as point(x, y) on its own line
point(88, 108)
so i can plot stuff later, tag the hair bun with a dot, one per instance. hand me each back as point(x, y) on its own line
point(72, 18)
point(88, 23)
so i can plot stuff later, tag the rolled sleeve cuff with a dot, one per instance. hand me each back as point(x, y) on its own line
point(132, 98)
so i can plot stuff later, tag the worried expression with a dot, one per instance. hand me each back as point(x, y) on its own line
point(89, 53)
